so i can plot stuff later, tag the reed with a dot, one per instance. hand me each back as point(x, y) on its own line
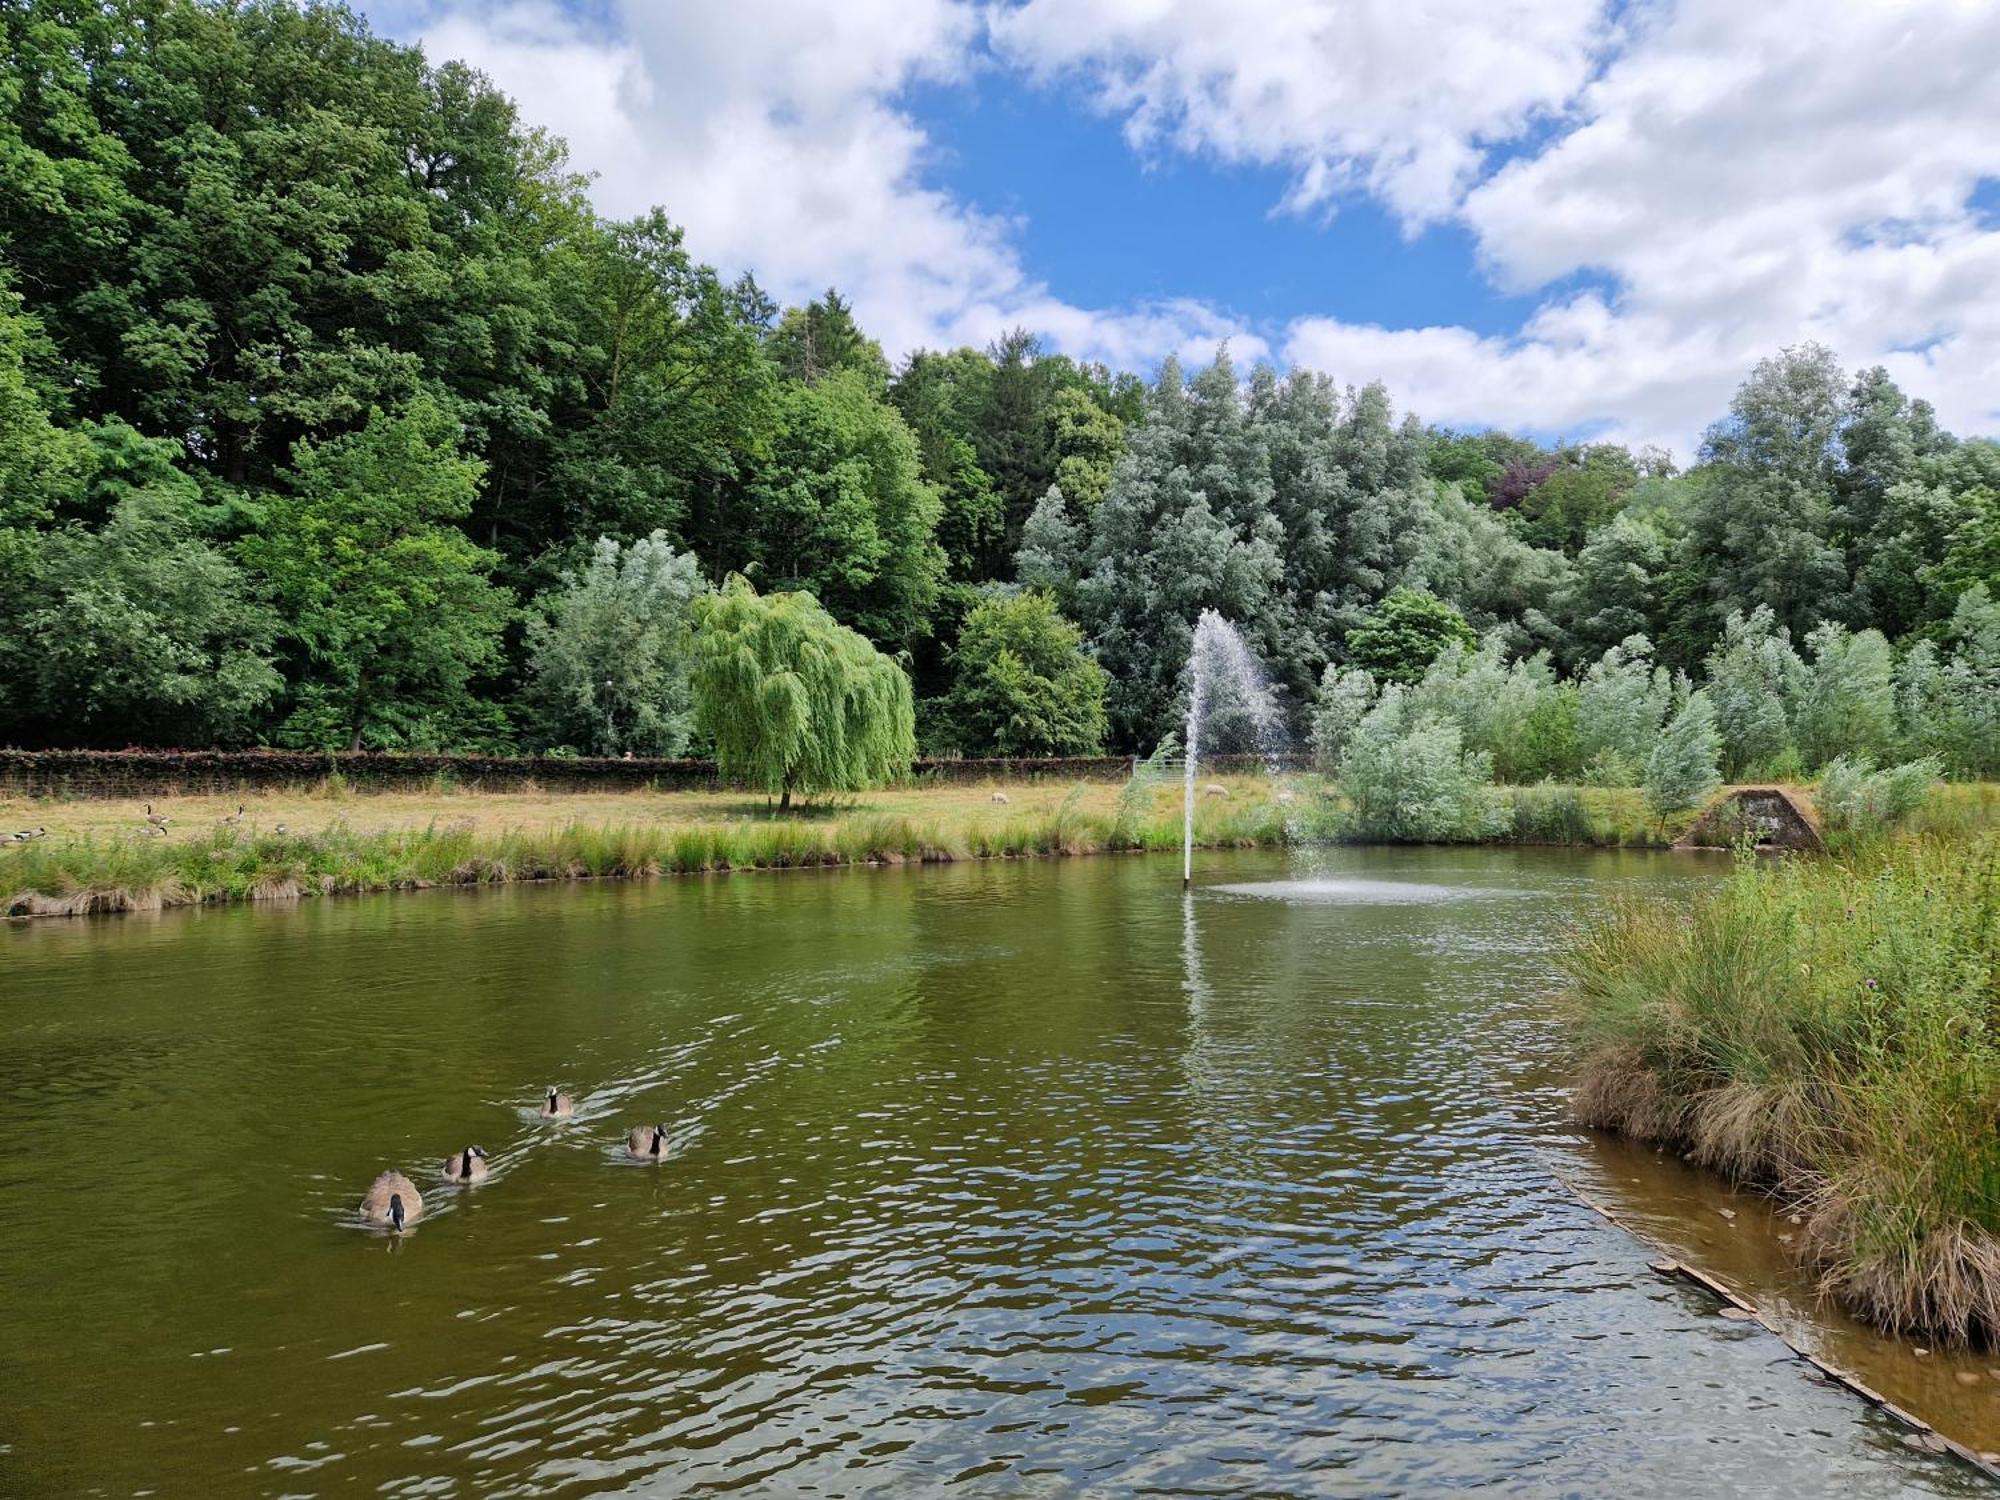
point(1828, 1029)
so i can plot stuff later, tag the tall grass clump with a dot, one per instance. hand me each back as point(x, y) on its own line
point(1828, 1029)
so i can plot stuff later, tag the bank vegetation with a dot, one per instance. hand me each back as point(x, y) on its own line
point(1827, 1029)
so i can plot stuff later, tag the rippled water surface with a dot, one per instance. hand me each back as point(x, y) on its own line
point(1033, 1178)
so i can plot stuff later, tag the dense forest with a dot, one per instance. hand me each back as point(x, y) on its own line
point(332, 414)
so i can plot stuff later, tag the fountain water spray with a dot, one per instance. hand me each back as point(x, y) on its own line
point(1220, 655)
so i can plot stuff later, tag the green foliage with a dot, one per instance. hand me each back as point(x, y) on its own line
point(1948, 702)
point(1621, 704)
point(793, 700)
point(385, 602)
point(233, 232)
point(1615, 591)
point(1405, 633)
point(1848, 703)
point(610, 650)
point(1086, 441)
point(1021, 683)
point(1820, 1029)
point(139, 632)
point(1408, 778)
point(1346, 694)
point(1856, 799)
point(821, 339)
point(1186, 526)
point(40, 462)
point(842, 512)
point(1756, 682)
point(1682, 768)
point(1583, 493)
point(1514, 712)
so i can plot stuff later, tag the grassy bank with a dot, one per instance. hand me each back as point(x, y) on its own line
point(102, 855)
point(1829, 1029)
point(322, 838)
point(118, 868)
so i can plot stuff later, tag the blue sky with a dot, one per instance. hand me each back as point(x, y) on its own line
point(1109, 225)
point(1559, 216)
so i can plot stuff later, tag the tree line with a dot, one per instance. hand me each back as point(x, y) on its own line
point(332, 414)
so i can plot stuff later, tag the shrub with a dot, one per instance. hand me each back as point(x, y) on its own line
point(1345, 696)
point(1855, 798)
point(1407, 777)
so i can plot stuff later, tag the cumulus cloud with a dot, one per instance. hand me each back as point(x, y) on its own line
point(1395, 97)
point(768, 128)
point(1722, 179)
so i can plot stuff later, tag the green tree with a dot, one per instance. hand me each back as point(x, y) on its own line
point(1085, 440)
point(1970, 557)
point(1615, 591)
point(1762, 530)
point(611, 648)
point(936, 395)
point(1848, 703)
point(40, 463)
point(821, 339)
point(668, 408)
point(794, 701)
point(386, 603)
point(841, 511)
point(1405, 633)
point(1582, 493)
point(1407, 776)
point(1185, 526)
point(139, 632)
point(1621, 703)
point(1755, 682)
point(1021, 684)
point(1681, 770)
point(1346, 694)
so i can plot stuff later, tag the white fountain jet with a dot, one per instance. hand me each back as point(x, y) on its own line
point(1220, 655)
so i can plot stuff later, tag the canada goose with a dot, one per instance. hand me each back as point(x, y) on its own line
point(468, 1165)
point(558, 1106)
point(1000, 798)
point(393, 1200)
point(277, 828)
point(153, 831)
point(232, 819)
point(1215, 789)
point(29, 835)
point(647, 1143)
point(158, 820)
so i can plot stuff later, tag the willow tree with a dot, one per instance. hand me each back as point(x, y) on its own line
point(794, 700)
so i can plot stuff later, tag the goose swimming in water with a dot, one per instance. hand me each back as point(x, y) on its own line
point(647, 1143)
point(393, 1200)
point(468, 1165)
point(558, 1106)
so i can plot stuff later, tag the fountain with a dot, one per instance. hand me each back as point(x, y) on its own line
point(1220, 657)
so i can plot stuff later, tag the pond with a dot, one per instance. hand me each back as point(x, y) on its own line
point(1033, 1177)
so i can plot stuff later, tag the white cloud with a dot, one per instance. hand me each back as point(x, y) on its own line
point(1397, 97)
point(1728, 178)
point(767, 128)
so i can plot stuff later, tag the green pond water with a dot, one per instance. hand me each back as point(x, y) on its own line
point(1032, 1179)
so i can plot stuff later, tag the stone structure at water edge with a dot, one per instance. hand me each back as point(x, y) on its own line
point(1772, 817)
